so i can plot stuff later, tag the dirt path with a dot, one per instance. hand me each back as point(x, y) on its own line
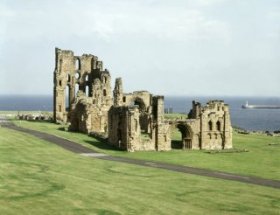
point(77, 148)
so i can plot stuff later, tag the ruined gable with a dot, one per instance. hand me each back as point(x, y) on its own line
point(207, 127)
point(136, 121)
point(78, 73)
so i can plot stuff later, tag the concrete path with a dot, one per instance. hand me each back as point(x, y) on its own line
point(77, 148)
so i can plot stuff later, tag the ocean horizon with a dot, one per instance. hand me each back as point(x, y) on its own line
point(249, 119)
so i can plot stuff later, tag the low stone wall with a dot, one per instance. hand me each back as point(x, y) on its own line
point(34, 117)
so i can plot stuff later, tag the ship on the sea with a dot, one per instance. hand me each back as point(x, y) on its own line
point(247, 106)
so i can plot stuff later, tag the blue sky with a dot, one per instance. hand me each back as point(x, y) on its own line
point(178, 47)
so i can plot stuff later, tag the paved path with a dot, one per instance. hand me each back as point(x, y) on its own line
point(77, 148)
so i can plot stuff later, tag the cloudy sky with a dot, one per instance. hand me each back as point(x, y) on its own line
point(170, 47)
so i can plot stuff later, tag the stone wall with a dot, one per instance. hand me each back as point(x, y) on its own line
point(75, 74)
point(131, 121)
point(82, 92)
point(136, 121)
point(207, 127)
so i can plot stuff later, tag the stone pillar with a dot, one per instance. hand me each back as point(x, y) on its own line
point(71, 96)
point(158, 105)
point(64, 65)
point(162, 130)
point(118, 92)
point(203, 130)
point(227, 129)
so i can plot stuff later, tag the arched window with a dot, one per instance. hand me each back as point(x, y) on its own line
point(77, 64)
point(86, 78)
point(210, 126)
point(67, 97)
point(60, 83)
point(105, 79)
point(104, 93)
point(218, 126)
point(69, 78)
point(87, 90)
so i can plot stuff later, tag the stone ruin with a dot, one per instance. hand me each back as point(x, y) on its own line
point(130, 121)
point(207, 127)
point(136, 121)
point(34, 117)
point(82, 92)
point(133, 122)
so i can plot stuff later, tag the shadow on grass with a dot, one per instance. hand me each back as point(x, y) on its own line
point(62, 129)
point(102, 145)
point(34, 121)
point(176, 144)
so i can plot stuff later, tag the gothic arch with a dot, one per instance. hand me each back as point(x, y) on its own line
point(187, 135)
point(219, 125)
point(210, 125)
point(77, 63)
point(140, 103)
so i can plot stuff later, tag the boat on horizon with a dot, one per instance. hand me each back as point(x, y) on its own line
point(247, 106)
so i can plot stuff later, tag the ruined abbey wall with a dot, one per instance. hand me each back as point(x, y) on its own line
point(136, 121)
point(131, 121)
point(207, 127)
point(82, 92)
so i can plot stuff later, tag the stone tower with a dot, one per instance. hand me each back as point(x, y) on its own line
point(118, 92)
point(78, 73)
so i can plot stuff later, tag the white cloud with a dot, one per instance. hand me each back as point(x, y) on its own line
point(162, 22)
point(187, 45)
point(5, 15)
point(203, 3)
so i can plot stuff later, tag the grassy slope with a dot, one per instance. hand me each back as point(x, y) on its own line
point(174, 116)
point(40, 178)
point(262, 159)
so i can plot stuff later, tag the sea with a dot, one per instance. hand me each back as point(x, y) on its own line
point(249, 119)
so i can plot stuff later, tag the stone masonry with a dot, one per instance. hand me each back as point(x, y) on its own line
point(83, 97)
point(131, 121)
point(82, 91)
point(207, 127)
point(136, 121)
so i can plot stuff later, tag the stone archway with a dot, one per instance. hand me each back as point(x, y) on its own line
point(187, 135)
point(143, 118)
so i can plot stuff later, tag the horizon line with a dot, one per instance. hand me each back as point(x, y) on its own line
point(167, 95)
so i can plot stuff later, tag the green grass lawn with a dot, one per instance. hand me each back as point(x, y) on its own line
point(262, 160)
point(37, 177)
point(173, 116)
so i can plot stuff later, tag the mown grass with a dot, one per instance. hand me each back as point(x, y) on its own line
point(173, 116)
point(262, 159)
point(37, 177)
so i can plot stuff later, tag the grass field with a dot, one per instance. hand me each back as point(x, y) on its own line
point(262, 160)
point(37, 177)
point(175, 116)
